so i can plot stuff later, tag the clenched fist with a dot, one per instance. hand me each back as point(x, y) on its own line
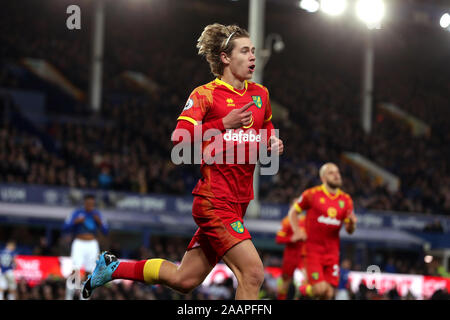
point(275, 145)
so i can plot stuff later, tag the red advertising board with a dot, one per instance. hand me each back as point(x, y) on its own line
point(432, 284)
point(34, 269)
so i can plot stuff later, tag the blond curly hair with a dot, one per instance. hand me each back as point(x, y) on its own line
point(217, 38)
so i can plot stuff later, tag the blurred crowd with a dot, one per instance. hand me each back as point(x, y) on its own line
point(127, 146)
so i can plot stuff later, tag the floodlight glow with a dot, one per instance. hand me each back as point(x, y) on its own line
point(445, 21)
point(428, 259)
point(333, 7)
point(371, 12)
point(309, 5)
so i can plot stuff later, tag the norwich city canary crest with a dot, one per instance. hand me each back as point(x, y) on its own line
point(257, 100)
point(237, 226)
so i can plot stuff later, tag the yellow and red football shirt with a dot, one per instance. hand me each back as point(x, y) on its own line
point(325, 214)
point(211, 102)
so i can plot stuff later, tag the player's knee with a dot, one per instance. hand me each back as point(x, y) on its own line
point(253, 277)
point(330, 293)
point(186, 286)
point(319, 290)
point(183, 284)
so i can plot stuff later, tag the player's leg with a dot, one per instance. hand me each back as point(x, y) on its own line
point(198, 261)
point(330, 292)
point(283, 287)
point(195, 265)
point(12, 285)
point(3, 285)
point(320, 290)
point(315, 275)
point(342, 294)
point(186, 276)
point(287, 271)
point(91, 253)
point(305, 288)
point(191, 272)
point(331, 275)
point(76, 254)
point(244, 261)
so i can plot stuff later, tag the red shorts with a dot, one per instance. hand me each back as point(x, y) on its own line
point(292, 259)
point(221, 226)
point(322, 268)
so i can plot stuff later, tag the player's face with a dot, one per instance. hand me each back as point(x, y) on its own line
point(333, 177)
point(242, 59)
point(346, 264)
point(11, 246)
point(89, 204)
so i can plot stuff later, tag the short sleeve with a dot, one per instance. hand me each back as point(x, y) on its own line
point(304, 202)
point(197, 106)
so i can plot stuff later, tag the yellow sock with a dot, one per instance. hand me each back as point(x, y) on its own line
point(151, 270)
point(309, 291)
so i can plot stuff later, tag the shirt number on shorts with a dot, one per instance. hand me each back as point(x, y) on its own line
point(335, 270)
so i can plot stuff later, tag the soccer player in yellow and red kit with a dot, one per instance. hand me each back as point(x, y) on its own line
point(238, 110)
point(327, 208)
point(293, 254)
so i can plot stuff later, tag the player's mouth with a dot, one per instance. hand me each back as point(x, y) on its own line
point(251, 68)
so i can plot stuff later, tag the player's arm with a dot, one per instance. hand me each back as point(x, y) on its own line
point(101, 223)
point(72, 220)
point(281, 237)
point(350, 223)
point(299, 234)
point(295, 210)
point(299, 206)
point(350, 220)
point(80, 217)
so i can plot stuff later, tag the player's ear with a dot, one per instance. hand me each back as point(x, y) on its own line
point(224, 58)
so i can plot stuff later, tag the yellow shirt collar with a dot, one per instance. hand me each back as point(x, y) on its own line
point(229, 86)
point(330, 195)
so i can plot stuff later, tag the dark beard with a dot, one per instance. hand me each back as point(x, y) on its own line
point(334, 185)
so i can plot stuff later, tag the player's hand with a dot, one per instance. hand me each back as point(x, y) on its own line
point(97, 220)
point(275, 145)
point(352, 218)
point(299, 235)
point(238, 117)
point(350, 222)
point(80, 219)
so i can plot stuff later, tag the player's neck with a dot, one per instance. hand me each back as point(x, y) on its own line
point(331, 190)
point(229, 78)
